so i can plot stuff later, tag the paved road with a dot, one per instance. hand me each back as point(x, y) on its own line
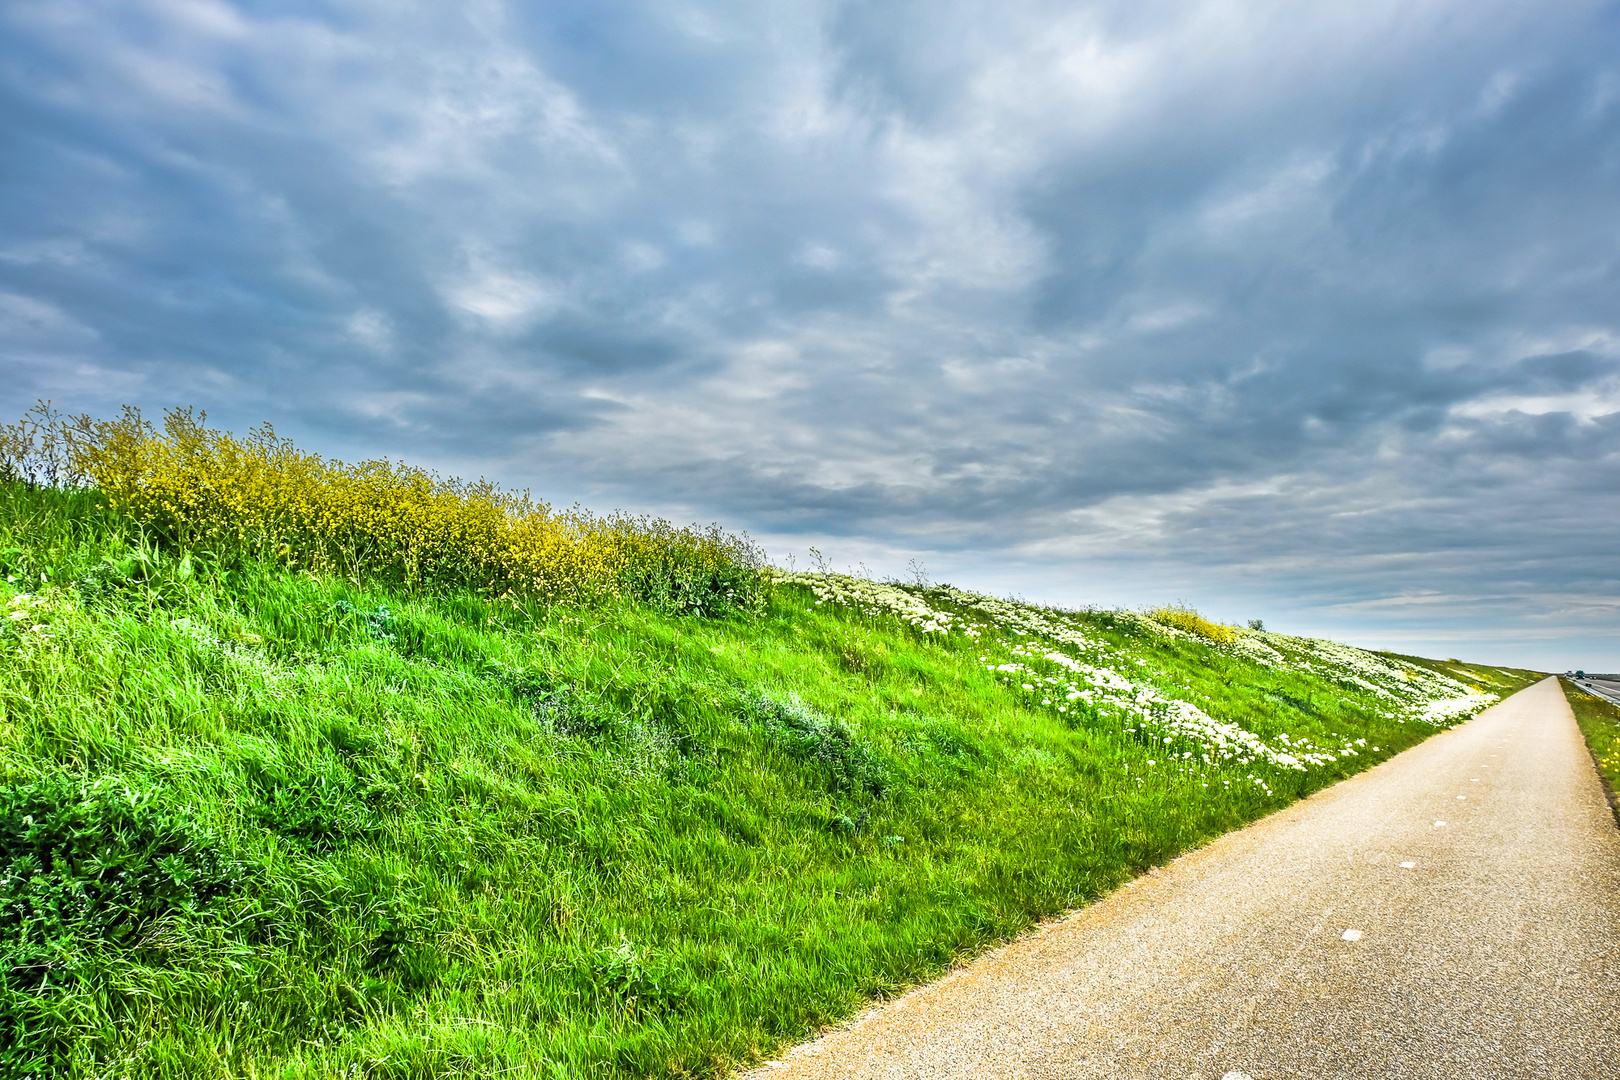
point(1481, 870)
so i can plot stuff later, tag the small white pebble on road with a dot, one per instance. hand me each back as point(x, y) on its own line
point(1439, 823)
point(1351, 935)
point(1407, 865)
point(1462, 796)
point(1235, 1075)
point(1475, 779)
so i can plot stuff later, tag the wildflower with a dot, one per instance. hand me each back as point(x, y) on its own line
point(259, 495)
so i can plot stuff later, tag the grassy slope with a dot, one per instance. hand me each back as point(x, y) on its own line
point(1599, 721)
point(261, 823)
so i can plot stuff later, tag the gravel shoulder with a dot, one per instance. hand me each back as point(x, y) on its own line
point(1454, 911)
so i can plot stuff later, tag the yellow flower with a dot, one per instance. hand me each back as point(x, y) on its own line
point(260, 496)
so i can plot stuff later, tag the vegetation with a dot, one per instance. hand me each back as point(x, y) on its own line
point(1599, 721)
point(1186, 618)
point(265, 814)
point(210, 493)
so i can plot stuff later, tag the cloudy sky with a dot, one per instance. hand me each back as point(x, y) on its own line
point(1305, 312)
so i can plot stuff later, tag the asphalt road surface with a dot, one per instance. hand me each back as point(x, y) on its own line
point(1453, 913)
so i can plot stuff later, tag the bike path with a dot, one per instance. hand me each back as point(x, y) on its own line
point(1451, 913)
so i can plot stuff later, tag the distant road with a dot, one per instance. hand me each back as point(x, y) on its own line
point(1606, 688)
point(1452, 913)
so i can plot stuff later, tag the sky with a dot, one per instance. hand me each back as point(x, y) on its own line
point(1301, 312)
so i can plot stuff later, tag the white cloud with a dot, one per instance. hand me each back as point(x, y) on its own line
point(373, 329)
point(504, 300)
point(30, 319)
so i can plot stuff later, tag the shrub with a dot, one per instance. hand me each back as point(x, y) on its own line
point(1186, 618)
point(260, 496)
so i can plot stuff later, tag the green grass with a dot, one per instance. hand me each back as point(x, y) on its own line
point(261, 823)
point(1599, 721)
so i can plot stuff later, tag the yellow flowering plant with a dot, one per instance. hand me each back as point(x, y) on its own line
point(259, 496)
point(1186, 618)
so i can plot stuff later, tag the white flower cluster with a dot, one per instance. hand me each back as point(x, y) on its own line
point(1055, 664)
point(1450, 711)
point(875, 599)
point(1252, 644)
point(1020, 618)
point(1428, 697)
point(1148, 713)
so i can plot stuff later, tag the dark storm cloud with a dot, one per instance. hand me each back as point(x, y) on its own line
point(1309, 307)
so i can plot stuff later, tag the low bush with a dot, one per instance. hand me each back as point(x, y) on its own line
point(1185, 618)
point(210, 492)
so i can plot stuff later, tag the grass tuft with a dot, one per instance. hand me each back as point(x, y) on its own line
point(821, 742)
